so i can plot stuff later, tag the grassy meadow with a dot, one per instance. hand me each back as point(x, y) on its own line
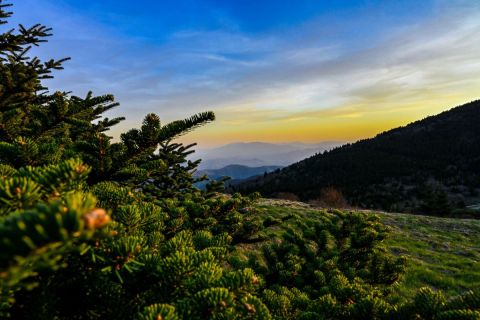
point(442, 253)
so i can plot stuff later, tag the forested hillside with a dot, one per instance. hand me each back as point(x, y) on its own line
point(92, 228)
point(429, 166)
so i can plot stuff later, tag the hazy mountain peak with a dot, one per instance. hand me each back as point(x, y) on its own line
point(257, 154)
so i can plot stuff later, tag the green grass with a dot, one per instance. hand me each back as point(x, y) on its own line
point(443, 253)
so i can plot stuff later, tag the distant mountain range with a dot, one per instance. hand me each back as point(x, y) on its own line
point(237, 172)
point(430, 166)
point(259, 154)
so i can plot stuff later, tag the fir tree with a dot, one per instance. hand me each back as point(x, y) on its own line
point(166, 242)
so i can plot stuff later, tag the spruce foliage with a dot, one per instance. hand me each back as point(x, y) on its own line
point(160, 248)
point(95, 229)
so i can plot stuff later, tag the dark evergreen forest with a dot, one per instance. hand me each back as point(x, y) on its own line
point(430, 166)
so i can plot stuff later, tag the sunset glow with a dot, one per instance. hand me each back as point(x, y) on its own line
point(275, 71)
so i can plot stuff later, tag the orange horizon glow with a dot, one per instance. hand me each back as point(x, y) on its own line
point(342, 75)
point(321, 125)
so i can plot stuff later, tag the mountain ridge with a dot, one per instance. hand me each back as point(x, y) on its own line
point(236, 171)
point(257, 154)
point(409, 168)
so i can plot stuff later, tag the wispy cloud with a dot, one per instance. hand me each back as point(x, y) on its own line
point(350, 73)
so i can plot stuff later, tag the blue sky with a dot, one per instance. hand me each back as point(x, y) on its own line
point(271, 70)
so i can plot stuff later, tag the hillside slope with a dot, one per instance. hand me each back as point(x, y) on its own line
point(442, 253)
point(431, 165)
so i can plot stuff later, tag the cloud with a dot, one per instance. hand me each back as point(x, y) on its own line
point(348, 69)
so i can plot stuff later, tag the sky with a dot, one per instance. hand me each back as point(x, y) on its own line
point(274, 71)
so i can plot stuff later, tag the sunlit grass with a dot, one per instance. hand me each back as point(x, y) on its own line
point(443, 253)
